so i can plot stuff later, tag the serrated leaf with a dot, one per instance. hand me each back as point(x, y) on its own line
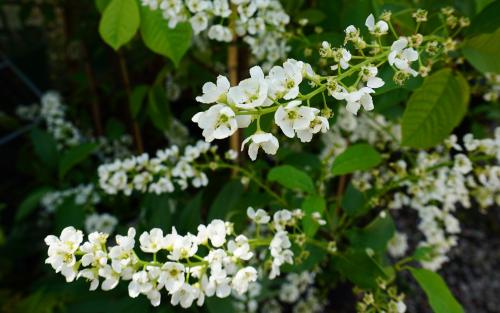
point(119, 22)
point(375, 235)
point(74, 156)
point(312, 204)
point(353, 201)
point(355, 158)
point(292, 178)
point(440, 297)
point(359, 268)
point(435, 109)
point(482, 51)
point(172, 43)
point(30, 203)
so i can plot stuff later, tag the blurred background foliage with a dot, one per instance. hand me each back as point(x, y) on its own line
point(56, 45)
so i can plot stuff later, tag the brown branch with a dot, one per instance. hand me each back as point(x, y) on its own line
point(94, 103)
point(126, 82)
point(232, 67)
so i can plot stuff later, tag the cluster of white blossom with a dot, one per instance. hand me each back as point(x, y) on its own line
point(82, 194)
point(103, 223)
point(53, 113)
point(213, 262)
point(167, 171)
point(110, 149)
point(52, 110)
point(493, 84)
point(434, 184)
point(279, 92)
point(260, 23)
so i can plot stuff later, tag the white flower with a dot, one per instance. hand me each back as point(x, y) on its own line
point(251, 92)
point(183, 247)
point(199, 22)
point(153, 241)
point(111, 278)
point(355, 99)
point(294, 117)
point(263, 140)
point(398, 245)
point(216, 232)
point(259, 217)
point(378, 29)
point(218, 122)
point(369, 75)
point(220, 33)
point(284, 81)
point(122, 254)
point(342, 56)
point(401, 57)
point(92, 249)
point(140, 284)
point(92, 276)
point(243, 278)
point(240, 248)
point(105, 223)
point(462, 164)
point(319, 123)
point(215, 93)
point(61, 251)
point(172, 276)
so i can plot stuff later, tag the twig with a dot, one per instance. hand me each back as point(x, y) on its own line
point(126, 83)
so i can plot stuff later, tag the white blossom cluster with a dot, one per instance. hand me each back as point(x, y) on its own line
point(103, 223)
point(260, 23)
point(493, 83)
point(168, 171)
point(111, 149)
point(279, 92)
point(83, 194)
point(52, 110)
point(212, 262)
point(441, 181)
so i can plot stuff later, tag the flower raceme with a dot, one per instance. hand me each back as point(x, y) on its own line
point(213, 262)
point(280, 91)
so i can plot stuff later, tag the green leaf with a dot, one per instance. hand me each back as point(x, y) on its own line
point(226, 200)
point(353, 201)
point(158, 108)
point(101, 5)
point(69, 214)
point(359, 268)
point(137, 99)
point(310, 205)
point(30, 203)
point(486, 21)
point(435, 109)
point(292, 178)
point(375, 235)
point(355, 158)
point(423, 253)
point(172, 43)
point(440, 297)
point(74, 156)
point(482, 51)
point(45, 147)
point(119, 22)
